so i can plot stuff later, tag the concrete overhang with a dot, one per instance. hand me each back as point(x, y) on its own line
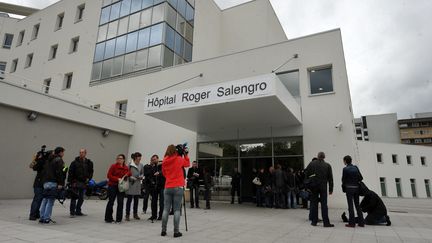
point(17, 9)
point(261, 101)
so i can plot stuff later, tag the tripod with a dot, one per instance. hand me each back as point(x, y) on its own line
point(184, 206)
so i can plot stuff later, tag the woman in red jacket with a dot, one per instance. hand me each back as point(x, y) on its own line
point(172, 169)
point(115, 173)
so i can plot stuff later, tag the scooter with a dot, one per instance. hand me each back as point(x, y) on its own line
point(99, 189)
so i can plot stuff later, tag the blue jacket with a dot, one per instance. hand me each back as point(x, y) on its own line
point(351, 177)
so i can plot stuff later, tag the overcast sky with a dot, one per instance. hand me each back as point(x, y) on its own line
point(387, 43)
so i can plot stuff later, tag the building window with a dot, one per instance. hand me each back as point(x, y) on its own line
point(383, 186)
point(53, 52)
point(427, 186)
point(29, 60)
point(415, 124)
point(413, 187)
point(394, 158)
point(46, 85)
point(409, 162)
point(418, 140)
point(406, 141)
point(35, 31)
point(423, 160)
point(20, 38)
point(398, 187)
point(2, 70)
point(424, 124)
point(7, 42)
point(14, 65)
point(59, 23)
point(321, 80)
point(67, 83)
point(121, 108)
point(74, 45)
point(428, 140)
point(379, 158)
point(80, 13)
point(403, 125)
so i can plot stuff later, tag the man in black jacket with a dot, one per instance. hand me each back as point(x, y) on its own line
point(321, 172)
point(235, 185)
point(151, 177)
point(80, 172)
point(193, 178)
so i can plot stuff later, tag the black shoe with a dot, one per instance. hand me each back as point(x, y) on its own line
point(208, 207)
point(159, 218)
point(344, 217)
point(197, 207)
point(32, 218)
point(109, 221)
point(388, 220)
point(80, 214)
point(192, 206)
point(72, 216)
point(232, 202)
point(314, 224)
point(178, 234)
point(328, 225)
point(163, 233)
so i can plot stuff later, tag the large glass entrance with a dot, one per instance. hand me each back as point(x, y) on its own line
point(220, 158)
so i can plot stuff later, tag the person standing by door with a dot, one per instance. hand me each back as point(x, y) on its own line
point(235, 185)
point(193, 177)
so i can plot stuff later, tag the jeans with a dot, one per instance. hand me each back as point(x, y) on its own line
point(353, 198)
point(321, 193)
point(279, 198)
point(194, 191)
point(47, 201)
point(114, 193)
point(75, 208)
point(291, 203)
point(36, 203)
point(161, 202)
point(172, 197)
point(135, 204)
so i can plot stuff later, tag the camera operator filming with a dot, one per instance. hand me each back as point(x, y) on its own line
point(176, 158)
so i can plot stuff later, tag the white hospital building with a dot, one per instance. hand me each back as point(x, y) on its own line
point(119, 76)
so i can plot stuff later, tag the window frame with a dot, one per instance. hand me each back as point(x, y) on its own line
point(35, 32)
point(29, 60)
point(67, 83)
point(53, 52)
point(59, 21)
point(319, 68)
point(74, 45)
point(80, 13)
point(6, 38)
point(20, 39)
point(379, 158)
point(14, 65)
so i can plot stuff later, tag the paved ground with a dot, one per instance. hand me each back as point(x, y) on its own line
point(223, 223)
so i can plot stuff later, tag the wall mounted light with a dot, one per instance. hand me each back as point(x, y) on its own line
point(32, 116)
point(105, 132)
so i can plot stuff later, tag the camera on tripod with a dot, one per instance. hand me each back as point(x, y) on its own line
point(182, 149)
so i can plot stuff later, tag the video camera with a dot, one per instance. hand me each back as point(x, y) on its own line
point(41, 156)
point(182, 149)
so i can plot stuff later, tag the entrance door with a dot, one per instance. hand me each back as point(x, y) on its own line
point(249, 167)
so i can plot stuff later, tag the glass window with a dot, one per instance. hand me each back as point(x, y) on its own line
point(158, 1)
point(288, 146)
point(146, 16)
point(219, 149)
point(59, 23)
point(109, 49)
point(29, 60)
point(189, 13)
point(20, 38)
point(105, 14)
point(115, 11)
point(409, 162)
point(106, 68)
point(158, 13)
point(35, 31)
point(121, 108)
point(136, 5)
point(117, 66)
point(155, 56)
point(123, 26)
point(2, 70)
point(427, 187)
point(46, 85)
point(112, 29)
point(169, 37)
point(181, 7)
point(102, 33)
point(141, 59)
point(413, 187)
point(7, 43)
point(132, 40)
point(178, 59)
point(144, 38)
point(74, 45)
point(262, 147)
point(125, 7)
point(67, 82)
point(379, 158)
point(291, 81)
point(53, 52)
point(129, 63)
point(423, 160)
point(173, 3)
point(181, 25)
point(147, 3)
point(394, 158)
point(156, 34)
point(179, 44)
point(99, 52)
point(134, 22)
point(171, 16)
point(188, 52)
point(14, 65)
point(96, 71)
point(321, 80)
point(189, 33)
point(383, 187)
point(168, 59)
point(120, 47)
point(398, 187)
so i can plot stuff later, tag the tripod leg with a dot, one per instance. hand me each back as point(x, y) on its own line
point(184, 206)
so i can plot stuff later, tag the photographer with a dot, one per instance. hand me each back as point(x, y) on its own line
point(37, 165)
point(80, 173)
point(194, 176)
point(176, 158)
point(53, 177)
point(151, 174)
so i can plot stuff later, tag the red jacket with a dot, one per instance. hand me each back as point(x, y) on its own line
point(115, 172)
point(172, 169)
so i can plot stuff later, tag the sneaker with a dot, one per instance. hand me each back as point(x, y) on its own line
point(178, 234)
point(109, 221)
point(350, 225)
point(314, 224)
point(163, 233)
point(117, 222)
point(32, 218)
point(328, 225)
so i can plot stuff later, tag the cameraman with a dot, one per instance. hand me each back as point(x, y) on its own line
point(80, 172)
point(194, 176)
point(37, 165)
point(151, 174)
point(172, 166)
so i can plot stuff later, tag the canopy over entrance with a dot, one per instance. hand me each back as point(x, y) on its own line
point(247, 103)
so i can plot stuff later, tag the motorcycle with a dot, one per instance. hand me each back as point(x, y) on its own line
point(99, 189)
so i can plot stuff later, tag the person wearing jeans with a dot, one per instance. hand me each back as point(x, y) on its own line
point(134, 191)
point(351, 178)
point(176, 158)
point(50, 192)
